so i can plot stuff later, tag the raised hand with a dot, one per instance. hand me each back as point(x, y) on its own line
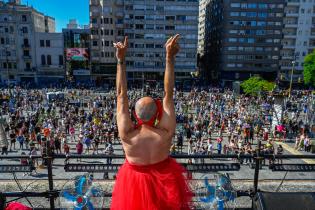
point(172, 46)
point(121, 49)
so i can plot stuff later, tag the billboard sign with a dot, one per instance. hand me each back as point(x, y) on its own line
point(77, 54)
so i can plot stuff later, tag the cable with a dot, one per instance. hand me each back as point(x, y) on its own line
point(278, 188)
point(20, 187)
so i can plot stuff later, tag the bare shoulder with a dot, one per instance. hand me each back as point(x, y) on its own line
point(149, 133)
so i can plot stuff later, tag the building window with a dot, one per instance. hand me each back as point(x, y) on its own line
point(42, 43)
point(26, 53)
point(25, 42)
point(43, 59)
point(24, 30)
point(24, 18)
point(169, 27)
point(28, 66)
point(139, 26)
point(235, 5)
point(234, 14)
point(60, 60)
point(95, 43)
point(169, 17)
point(47, 43)
point(48, 59)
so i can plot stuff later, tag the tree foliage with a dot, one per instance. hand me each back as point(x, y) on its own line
point(309, 69)
point(254, 85)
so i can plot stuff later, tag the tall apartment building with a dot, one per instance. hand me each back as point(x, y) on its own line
point(298, 37)
point(243, 38)
point(148, 24)
point(202, 26)
point(18, 26)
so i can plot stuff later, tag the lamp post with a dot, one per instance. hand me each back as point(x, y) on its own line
point(290, 89)
point(7, 62)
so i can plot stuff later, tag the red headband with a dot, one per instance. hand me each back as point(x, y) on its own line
point(156, 117)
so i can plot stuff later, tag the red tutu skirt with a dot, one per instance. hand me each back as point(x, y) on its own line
point(159, 186)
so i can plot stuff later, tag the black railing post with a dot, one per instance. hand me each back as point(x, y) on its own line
point(50, 175)
point(257, 166)
point(2, 201)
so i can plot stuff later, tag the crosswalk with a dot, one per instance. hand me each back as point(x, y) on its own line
point(295, 152)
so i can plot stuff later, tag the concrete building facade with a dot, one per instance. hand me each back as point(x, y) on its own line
point(148, 24)
point(298, 37)
point(202, 26)
point(49, 58)
point(242, 39)
point(18, 27)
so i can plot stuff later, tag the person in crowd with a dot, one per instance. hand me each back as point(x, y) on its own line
point(79, 147)
point(279, 152)
point(109, 150)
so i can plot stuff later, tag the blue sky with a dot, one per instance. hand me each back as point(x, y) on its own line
point(62, 10)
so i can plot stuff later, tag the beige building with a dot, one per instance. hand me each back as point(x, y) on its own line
point(18, 26)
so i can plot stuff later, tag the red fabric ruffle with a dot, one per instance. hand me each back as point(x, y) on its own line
point(160, 186)
point(17, 206)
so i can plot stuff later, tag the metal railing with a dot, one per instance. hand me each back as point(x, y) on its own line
point(52, 193)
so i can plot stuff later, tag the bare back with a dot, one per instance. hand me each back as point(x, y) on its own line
point(147, 145)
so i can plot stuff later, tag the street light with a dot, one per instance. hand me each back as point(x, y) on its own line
point(7, 62)
point(290, 89)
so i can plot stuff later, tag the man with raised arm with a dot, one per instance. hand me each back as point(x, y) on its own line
point(149, 179)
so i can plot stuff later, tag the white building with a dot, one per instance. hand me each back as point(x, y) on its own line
point(298, 36)
point(202, 25)
point(49, 58)
point(18, 26)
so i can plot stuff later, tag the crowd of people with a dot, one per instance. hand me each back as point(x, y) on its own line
point(209, 121)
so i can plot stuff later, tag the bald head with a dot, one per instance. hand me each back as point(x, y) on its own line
point(145, 108)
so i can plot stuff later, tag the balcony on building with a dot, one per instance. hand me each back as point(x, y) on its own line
point(119, 25)
point(26, 46)
point(94, 25)
point(27, 57)
point(289, 34)
point(119, 14)
point(119, 2)
point(30, 69)
point(287, 57)
point(93, 47)
point(120, 37)
point(95, 2)
point(291, 24)
point(95, 37)
point(293, 2)
point(95, 14)
point(292, 13)
point(95, 58)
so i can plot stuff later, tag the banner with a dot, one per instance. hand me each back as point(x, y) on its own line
point(78, 54)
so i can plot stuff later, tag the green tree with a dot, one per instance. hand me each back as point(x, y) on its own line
point(309, 69)
point(254, 85)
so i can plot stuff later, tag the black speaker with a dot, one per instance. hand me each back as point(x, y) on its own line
point(284, 201)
